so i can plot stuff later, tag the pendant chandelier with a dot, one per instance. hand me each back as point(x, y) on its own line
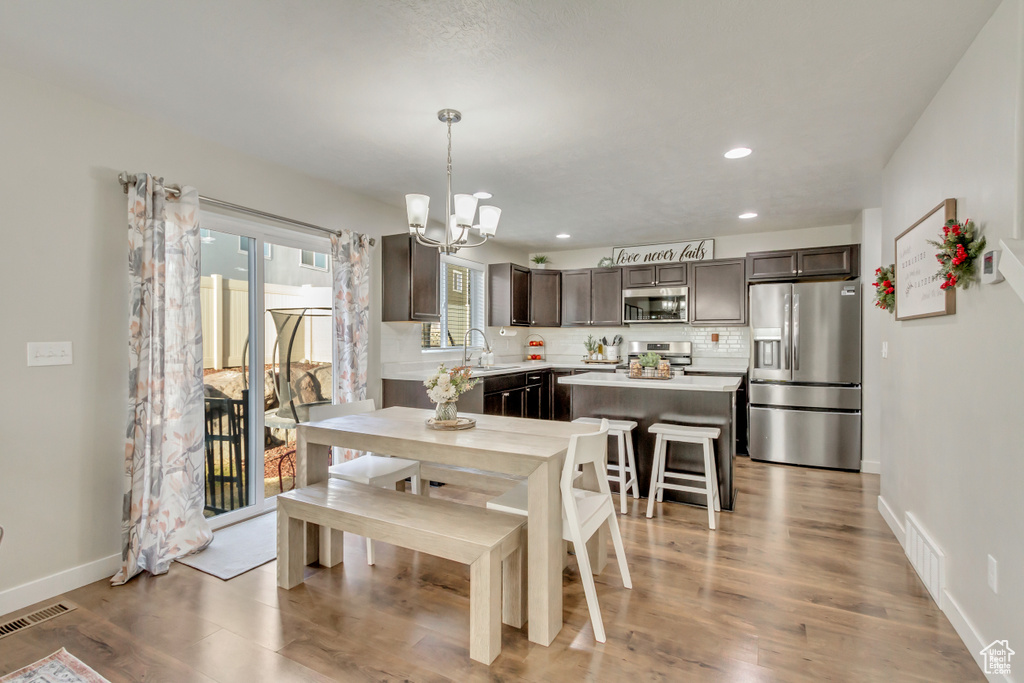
point(460, 209)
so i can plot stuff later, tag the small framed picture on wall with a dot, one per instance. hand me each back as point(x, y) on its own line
point(918, 294)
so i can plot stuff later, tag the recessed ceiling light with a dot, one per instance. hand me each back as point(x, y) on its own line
point(563, 235)
point(737, 153)
point(748, 214)
point(482, 195)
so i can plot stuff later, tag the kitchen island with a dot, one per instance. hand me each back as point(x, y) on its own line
point(693, 400)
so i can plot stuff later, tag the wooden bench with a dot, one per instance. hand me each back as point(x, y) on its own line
point(481, 538)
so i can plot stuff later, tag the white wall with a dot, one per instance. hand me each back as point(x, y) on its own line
point(952, 436)
point(870, 224)
point(727, 246)
point(64, 229)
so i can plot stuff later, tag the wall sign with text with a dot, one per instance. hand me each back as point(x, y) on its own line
point(670, 252)
point(918, 294)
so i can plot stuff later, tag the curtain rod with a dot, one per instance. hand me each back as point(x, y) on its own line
point(125, 178)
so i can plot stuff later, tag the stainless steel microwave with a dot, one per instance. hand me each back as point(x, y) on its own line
point(655, 305)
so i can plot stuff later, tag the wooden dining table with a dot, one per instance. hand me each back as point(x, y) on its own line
point(534, 449)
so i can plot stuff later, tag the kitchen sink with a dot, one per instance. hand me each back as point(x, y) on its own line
point(497, 367)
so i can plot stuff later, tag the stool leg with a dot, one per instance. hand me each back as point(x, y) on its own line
point(709, 479)
point(655, 465)
point(632, 465)
point(662, 462)
point(623, 474)
point(369, 551)
point(714, 479)
point(415, 484)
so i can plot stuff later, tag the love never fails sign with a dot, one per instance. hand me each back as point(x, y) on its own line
point(671, 252)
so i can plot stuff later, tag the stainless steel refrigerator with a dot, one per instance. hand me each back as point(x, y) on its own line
point(805, 374)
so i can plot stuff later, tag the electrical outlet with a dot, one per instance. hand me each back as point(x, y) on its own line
point(49, 353)
point(993, 574)
point(885, 349)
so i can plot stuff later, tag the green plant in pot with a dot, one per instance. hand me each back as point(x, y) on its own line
point(591, 346)
point(649, 362)
point(540, 261)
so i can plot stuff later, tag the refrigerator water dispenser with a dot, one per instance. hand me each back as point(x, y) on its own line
point(768, 348)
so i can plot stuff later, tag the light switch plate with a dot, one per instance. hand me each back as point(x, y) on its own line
point(49, 353)
point(993, 574)
point(885, 349)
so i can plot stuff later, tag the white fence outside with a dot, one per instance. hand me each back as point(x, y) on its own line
point(225, 313)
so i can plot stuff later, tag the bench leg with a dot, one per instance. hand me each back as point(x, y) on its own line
point(332, 546)
point(290, 550)
point(513, 586)
point(485, 607)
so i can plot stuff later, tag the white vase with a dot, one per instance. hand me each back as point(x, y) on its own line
point(540, 266)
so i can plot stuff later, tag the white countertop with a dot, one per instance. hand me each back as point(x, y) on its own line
point(719, 365)
point(683, 383)
point(421, 374)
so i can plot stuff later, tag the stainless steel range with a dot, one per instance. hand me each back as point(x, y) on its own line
point(679, 354)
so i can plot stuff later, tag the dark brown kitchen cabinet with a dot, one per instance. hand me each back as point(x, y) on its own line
point(718, 292)
point(606, 296)
point(842, 261)
point(508, 287)
point(592, 296)
point(545, 298)
point(411, 280)
point(827, 261)
point(673, 274)
point(509, 403)
point(576, 297)
point(561, 397)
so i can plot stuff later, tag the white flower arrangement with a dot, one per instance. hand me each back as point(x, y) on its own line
point(445, 385)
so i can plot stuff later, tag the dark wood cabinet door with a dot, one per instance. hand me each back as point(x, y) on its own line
point(545, 298)
point(606, 296)
point(520, 295)
point(426, 278)
point(532, 402)
point(561, 397)
point(513, 402)
point(718, 292)
point(672, 274)
point(766, 266)
point(492, 403)
point(841, 260)
point(411, 280)
point(639, 276)
point(576, 297)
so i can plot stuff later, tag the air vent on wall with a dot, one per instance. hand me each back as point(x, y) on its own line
point(927, 558)
point(39, 616)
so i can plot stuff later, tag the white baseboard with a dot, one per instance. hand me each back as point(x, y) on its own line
point(968, 633)
point(51, 586)
point(893, 521)
point(870, 467)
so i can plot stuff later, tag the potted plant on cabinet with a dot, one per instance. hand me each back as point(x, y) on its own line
point(540, 261)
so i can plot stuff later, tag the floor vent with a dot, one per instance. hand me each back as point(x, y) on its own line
point(39, 616)
point(927, 558)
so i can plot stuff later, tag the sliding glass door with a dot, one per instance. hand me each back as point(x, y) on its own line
point(266, 297)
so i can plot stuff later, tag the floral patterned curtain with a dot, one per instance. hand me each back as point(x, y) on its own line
point(164, 489)
point(350, 252)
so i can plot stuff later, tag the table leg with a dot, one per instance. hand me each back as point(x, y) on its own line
point(597, 546)
point(312, 461)
point(544, 541)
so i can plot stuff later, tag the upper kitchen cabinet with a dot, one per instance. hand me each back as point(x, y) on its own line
point(545, 298)
point(411, 280)
point(839, 262)
point(673, 274)
point(718, 292)
point(508, 287)
point(592, 296)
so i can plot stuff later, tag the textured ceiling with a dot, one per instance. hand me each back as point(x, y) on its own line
point(607, 120)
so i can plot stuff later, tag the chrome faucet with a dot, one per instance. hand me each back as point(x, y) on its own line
point(465, 345)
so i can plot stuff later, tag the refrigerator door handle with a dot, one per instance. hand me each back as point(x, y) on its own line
point(796, 332)
point(785, 335)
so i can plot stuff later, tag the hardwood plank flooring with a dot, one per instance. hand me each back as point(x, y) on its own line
point(803, 582)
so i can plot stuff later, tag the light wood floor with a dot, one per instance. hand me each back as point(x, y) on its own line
point(804, 582)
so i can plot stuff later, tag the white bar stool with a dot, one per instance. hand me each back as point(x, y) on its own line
point(625, 471)
point(369, 469)
point(703, 436)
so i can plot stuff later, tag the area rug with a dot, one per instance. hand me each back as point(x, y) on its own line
point(237, 549)
point(60, 667)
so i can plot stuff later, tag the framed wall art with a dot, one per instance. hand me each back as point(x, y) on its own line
point(917, 288)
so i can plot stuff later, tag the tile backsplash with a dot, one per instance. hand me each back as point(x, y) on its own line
point(400, 342)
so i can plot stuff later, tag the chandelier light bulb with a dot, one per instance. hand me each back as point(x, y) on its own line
point(489, 216)
point(417, 206)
